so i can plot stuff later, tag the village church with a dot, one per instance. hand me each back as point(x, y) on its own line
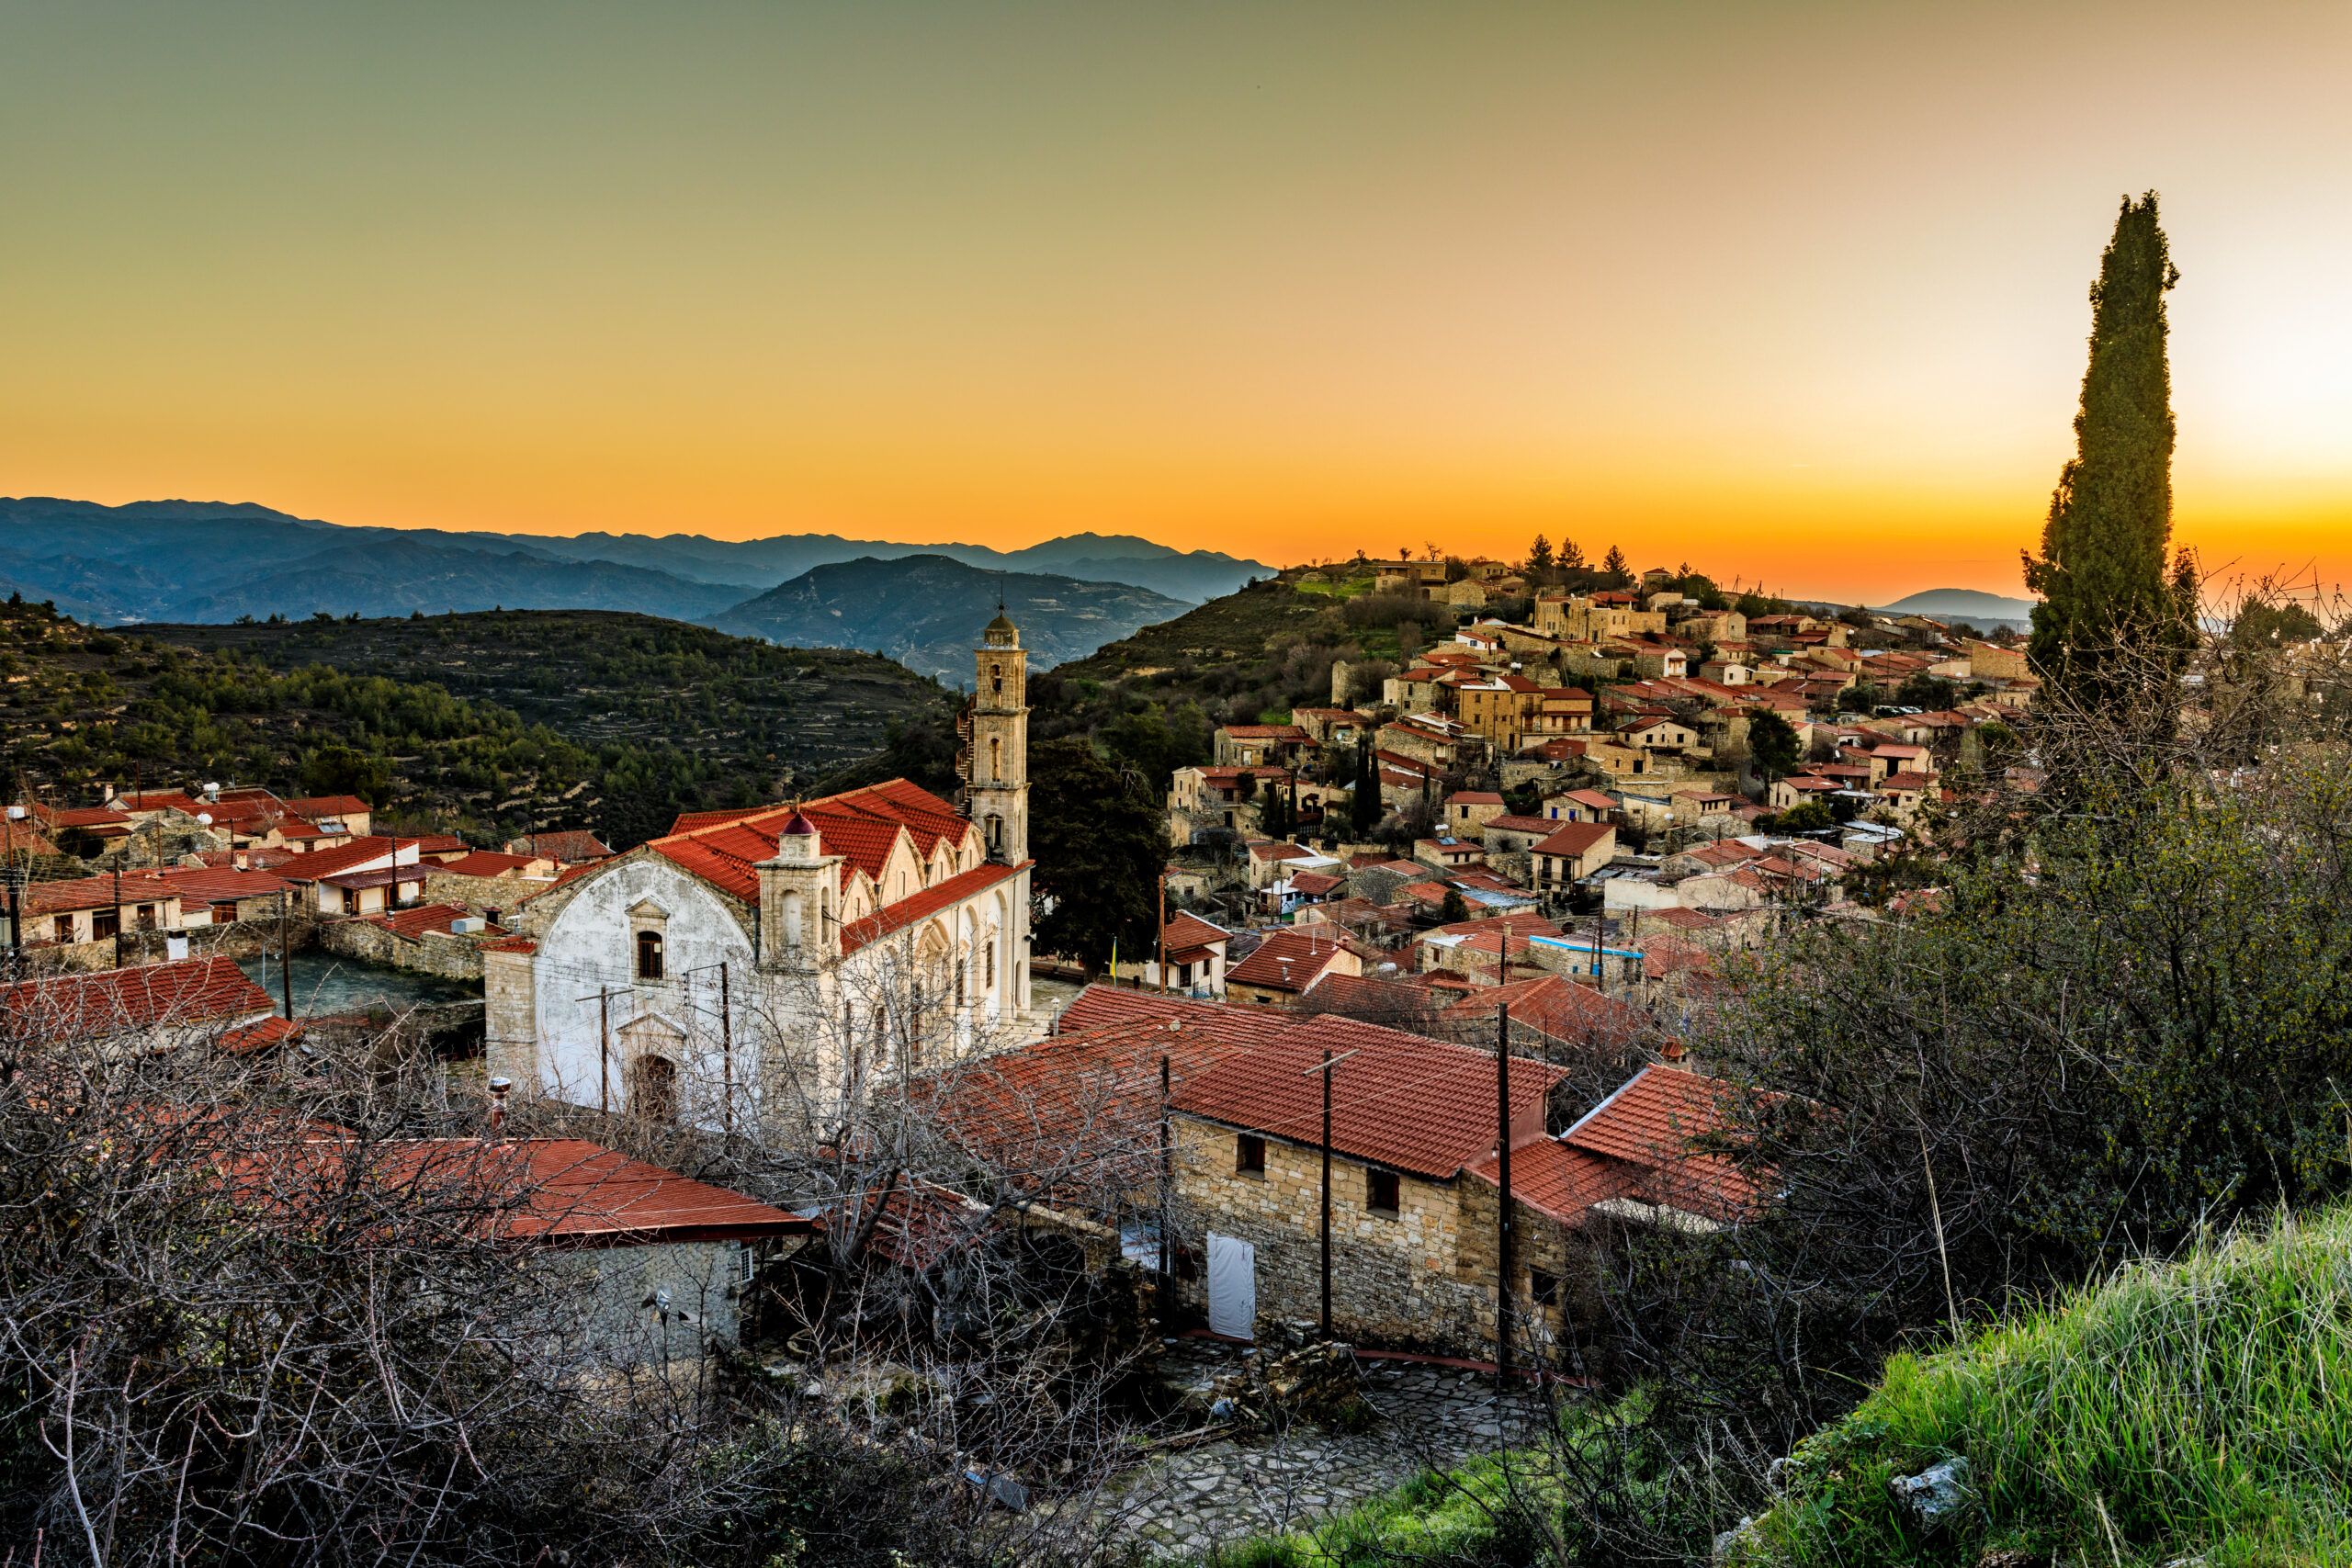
point(752, 965)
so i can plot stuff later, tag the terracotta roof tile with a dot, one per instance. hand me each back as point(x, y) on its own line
point(939, 895)
point(1402, 1099)
point(191, 993)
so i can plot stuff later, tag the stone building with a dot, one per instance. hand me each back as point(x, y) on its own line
point(774, 963)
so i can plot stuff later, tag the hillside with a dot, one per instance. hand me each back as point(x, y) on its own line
point(926, 612)
point(201, 561)
point(486, 722)
point(213, 562)
point(1970, 604)
point(2197, 1411)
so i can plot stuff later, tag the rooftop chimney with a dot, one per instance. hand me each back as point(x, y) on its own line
point(498, 1089)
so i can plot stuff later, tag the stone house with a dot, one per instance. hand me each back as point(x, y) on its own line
point(1468, 810)
point(366, 876)
point(443, 940)
point(1580, 805)
point(1794, 791)
point(94, 908)
point(224, 896)
point(192, 1000)
point(1573, 852)
point(1414, 1258)
point(1262, 745)
point(1331, 727)
point(1285, 966)
point(1202, 799)
point(569, 846)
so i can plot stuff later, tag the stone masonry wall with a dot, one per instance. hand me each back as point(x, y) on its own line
point(449, 957)
point(1396, 1280)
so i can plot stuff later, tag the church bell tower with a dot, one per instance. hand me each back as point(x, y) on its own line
point(997, 768)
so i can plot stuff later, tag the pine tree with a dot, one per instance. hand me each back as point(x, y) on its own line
point(2107, 604)
point(1539, 560)
point(1571, 555)
point(1364, 805)
point(1614, 568)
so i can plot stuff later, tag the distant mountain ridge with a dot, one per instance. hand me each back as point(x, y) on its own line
point(1973, 605)
point(926, 612)
point(216, 561)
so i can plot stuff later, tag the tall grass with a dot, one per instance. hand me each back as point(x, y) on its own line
point(2199, 1408)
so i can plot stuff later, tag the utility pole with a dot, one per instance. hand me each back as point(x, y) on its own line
point(1329, 1069)
point(1167, 1165)
point(1599, 954)
point(725, 1055)
point(118, 916)
point(285, 961)
point(605, 995)
point(1161, 942)
point(1502, 1223)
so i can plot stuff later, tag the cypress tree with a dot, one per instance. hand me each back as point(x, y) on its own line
point(2110, 623)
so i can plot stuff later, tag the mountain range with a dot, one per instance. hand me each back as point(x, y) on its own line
point(924, 612)
point(215, 561)
point(1973, 605)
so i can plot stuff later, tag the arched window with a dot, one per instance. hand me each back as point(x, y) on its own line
point(996, 758)
point(654, 1091)
point(996, 677)
point(648, 955)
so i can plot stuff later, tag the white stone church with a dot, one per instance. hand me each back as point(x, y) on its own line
point(767, 964)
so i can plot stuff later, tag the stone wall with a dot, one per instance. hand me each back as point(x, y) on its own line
point(447, 957)
point(1406, 1280)
point(242, 939)
point(510, 1018)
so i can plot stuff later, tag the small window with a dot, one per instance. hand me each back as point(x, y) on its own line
point(1250, 1154)
point(1380, 1192)
point(747, 1265)
point(648, 955)
point(1544, 1288)
point(106, 923)
point(224, 913)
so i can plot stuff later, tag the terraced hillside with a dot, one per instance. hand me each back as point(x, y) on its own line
point(489, 722)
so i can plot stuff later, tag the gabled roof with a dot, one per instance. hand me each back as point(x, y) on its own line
point(1290, 959)
point(1575, 839)
point(1652, 1121)
point(413, 924)
point(1559, 1007)
point(1099, 1007)
point(317, 806)
point(1402, 1099)
point(96, 893)
point(916, 907)
point(221, 884)
point(320, 864)
point(191, 993)
point(569, 845)
point(485, 863)
point(1188, 933)
point(861, 825)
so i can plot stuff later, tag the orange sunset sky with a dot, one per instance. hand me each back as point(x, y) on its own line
point(1790, 291)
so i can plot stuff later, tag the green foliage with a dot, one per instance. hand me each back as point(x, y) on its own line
point(1772, 745)
point(2106, 602)
point(1805, 817)
point(1100, 837)
point(2260, 624)
point(1934, 692)
point(1452, 907)
point(1539, 560)
point(1615, 569)
point(2198, 1409)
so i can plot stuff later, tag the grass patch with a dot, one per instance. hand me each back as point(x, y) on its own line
point(1347, 588)
point(2198, 1408)
point(1463, 1517)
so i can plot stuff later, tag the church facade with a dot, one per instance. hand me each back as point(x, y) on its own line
point(774, 964)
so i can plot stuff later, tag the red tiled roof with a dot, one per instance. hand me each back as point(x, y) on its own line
point(1080, 1108)
point(1652, 1121)
point(190, 993)
point(95, 893)
point(1315, 884)
point(1514, 823)
point(541, 1192)
point(90, 817)
point(415, 923)
point(486, 863)
point(1187, 932)
point(1267, 732)
point(1559, 1179)
point(1474, 797)
point(214, 884)
point(915, 906)
point(1559, 1007)
point(247, 1038)
point(572, 845)
point(1906, 780)
point(320, 864)
point(511, 945)
point(1402, 1099)
point(1288, 960)
point(314, 807)
point(1575, 839)
point(860, 825)
point(1101, 1006)
point(160, 800)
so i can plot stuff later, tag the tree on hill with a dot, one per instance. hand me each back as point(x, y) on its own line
point(1539, 560)
point(1772, 745)
point(1571, 555)
point(2111, 625)
point(1615, 567)
point(1100, 837)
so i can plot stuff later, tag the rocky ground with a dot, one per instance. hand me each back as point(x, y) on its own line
point(1184, 1500)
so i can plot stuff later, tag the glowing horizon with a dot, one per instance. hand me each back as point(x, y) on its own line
point(1793, 294)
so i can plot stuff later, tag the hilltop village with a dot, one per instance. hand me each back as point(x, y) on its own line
point(1412, 1039)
